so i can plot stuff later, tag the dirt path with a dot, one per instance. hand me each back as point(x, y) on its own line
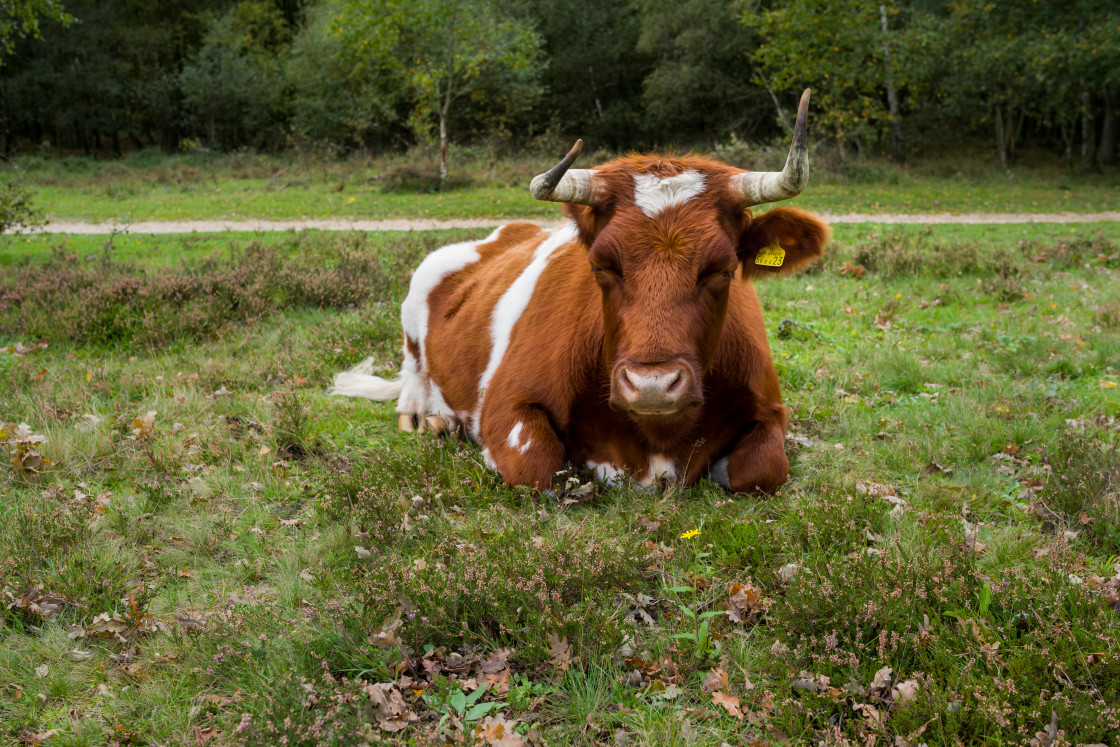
point(424, 224)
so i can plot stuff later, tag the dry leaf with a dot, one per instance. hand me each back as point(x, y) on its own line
point(559, 652)
point(745, 602)
point(730, 703)
point(716, 680)
point(363, 553)
point(882, 679)
point(386, 635)
point(41, 671)
point(904, 691)
point(144, 425)
point(79, 655)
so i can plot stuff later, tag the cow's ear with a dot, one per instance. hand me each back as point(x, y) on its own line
point(781, 241)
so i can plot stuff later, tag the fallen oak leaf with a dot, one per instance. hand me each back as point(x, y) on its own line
point(559, 652)
point(730, 703)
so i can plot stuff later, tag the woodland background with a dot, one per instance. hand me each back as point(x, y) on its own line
point(903, 78)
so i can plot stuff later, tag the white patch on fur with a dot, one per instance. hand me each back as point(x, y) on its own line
point(514, 439)
point(606, 473)
point(718, 472)
point(512, 305)
point(660, 467)
point(489, 460)
point(653, 194)
point(419, 394)
point(359, 382)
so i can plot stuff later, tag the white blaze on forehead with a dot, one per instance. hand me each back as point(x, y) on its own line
point(514, 439)
point(512, 305)
point(718, 472)
point(660, 467)
point(653, 194)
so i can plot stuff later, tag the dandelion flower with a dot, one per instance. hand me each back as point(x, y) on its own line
point(690, 534)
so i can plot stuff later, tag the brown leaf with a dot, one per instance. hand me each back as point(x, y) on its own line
point(559, 652)
point(386, 635)
point(904, 691)
point(497, 731)
point(716, 680)
point(144, 425)
point(730, 703)
point(882, 679)
point(105, 625)
point(746, 601)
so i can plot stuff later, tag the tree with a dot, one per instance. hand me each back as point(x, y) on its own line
point(701, 82)
point(441, 50)
point(846, 51)
point(20, 18)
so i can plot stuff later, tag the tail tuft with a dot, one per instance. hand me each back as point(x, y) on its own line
point(358, 382)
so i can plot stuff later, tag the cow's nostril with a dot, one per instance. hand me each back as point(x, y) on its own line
point(676, 383)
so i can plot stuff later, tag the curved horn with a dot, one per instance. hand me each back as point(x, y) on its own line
point(758, 187)
point(559, 184)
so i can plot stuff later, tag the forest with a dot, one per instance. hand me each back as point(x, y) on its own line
point(902, 79)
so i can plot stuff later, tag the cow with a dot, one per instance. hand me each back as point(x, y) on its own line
point(628, 341)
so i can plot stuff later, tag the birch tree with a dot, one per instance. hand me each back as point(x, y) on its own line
point(441, 50)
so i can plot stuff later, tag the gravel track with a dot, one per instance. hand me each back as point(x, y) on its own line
point(425, 224)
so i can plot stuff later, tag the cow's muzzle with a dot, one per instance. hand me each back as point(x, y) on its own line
point(655, 389)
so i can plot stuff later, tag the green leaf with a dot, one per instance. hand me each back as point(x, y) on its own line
point(458, 701)
point(481, 709)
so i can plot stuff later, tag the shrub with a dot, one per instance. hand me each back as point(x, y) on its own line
point(15, 204)
point(111, 301)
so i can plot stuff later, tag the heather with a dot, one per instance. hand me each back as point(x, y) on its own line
point(199, 546)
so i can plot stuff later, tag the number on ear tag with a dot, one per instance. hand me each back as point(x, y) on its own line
point(771, 256)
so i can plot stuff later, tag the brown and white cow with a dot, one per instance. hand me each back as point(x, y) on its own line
point(628, 341)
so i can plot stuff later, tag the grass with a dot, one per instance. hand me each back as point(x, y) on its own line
point(491, 184)
point(257, 560)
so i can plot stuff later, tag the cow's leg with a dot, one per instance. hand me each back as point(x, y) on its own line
point(758, 463)
point(521, 444)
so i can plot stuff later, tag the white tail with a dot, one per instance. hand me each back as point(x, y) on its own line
point(359, 382)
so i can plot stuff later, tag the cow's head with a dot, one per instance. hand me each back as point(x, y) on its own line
point(666, 237)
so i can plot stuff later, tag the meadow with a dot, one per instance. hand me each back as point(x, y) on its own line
point(199, 546)
point(489, 183)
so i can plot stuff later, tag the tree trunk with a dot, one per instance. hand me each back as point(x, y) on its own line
point(1106, 149)
point(783, 120)
point(442, 147)
point(892, 94)
point(1088, 133)
point(1001, 137)
point(595, 91)
point(1067, 138)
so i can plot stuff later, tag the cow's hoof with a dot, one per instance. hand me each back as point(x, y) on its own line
point(442, 424)
point(406, 422)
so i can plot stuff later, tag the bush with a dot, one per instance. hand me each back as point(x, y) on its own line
point(110, 301)
point(15, 204)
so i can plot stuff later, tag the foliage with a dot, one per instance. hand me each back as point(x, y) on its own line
point(21, 18)
point(15, 203)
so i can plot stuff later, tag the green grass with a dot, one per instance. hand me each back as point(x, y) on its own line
point(220, 536)
point(150, 186)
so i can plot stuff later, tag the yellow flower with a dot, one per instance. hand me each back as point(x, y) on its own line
point(690, 534)
point(1108, 384)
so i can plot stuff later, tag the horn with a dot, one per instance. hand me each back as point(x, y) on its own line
point(758, 187)
point(559, 184)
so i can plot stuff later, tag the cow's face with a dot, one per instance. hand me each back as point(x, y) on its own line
point(664, 250)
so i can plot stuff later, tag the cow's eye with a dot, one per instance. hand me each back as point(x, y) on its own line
point(604, 272)
point(715, 274)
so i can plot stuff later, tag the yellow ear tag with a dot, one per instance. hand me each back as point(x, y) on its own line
point(771, 256)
